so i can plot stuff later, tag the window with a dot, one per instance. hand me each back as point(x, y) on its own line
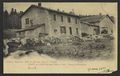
point(97, 30)
point(27, 20)
point(111, 31)
point(62, 18)
point(76, 20)
point(40, 35)
point(69, 20)
point(55, 30)
point(31, 22)
point(84, 34)
point(77, 32)
point(70, 30)
point(62, 29)
point(54, 17)
point(104, 30)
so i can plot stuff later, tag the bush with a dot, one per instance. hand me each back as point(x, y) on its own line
point(87, 49)
point(98, 40)
point(74, 40)
point(7, 34)
point(108, 37)
point(97, 46)
point(29, 45)
point(53, 40)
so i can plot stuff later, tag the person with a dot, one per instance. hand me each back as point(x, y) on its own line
point(23, 41)
point(5, 48)
point(36, 42)
point(18, 41)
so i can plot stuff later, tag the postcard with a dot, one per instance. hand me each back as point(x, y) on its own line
point(65, 37)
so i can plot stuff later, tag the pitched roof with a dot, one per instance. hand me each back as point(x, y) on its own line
point(61, 12)
point(93, 18)
point(89, 24)
point(30, 28)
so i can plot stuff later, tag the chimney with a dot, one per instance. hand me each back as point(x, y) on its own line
point(12, 9)
point(72, 12)
point(39, 4)
point(58, 10)
point(21, 11)
point(15, 11)
point(100, 14)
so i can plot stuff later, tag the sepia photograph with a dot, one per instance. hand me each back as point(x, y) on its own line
point(66, 37)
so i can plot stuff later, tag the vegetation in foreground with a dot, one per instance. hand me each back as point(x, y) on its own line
point(74, 48)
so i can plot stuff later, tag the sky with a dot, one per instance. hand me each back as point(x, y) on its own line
point(78, 7)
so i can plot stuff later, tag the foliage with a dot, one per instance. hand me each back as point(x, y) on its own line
point(108, 37)
point(52, 40)
point(88, 49)
point(76, 48)
point(7, 34)
point(74, 40)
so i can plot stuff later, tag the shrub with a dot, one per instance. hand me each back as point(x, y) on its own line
point(85, 50)
point(108, 37)
point(97, 46)
point(75, 40)
point(53, 40)
point(7, 34)
point(98, 40)
point(29, 45)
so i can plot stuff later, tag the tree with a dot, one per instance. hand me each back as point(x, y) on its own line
point(5, 20)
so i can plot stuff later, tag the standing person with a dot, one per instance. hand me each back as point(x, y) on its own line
point(5, 48)
point(18, 41)
point(23, 41)
point(36, 42)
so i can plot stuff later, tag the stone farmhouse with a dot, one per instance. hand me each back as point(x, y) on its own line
point(38, 21)
point(97, 25)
